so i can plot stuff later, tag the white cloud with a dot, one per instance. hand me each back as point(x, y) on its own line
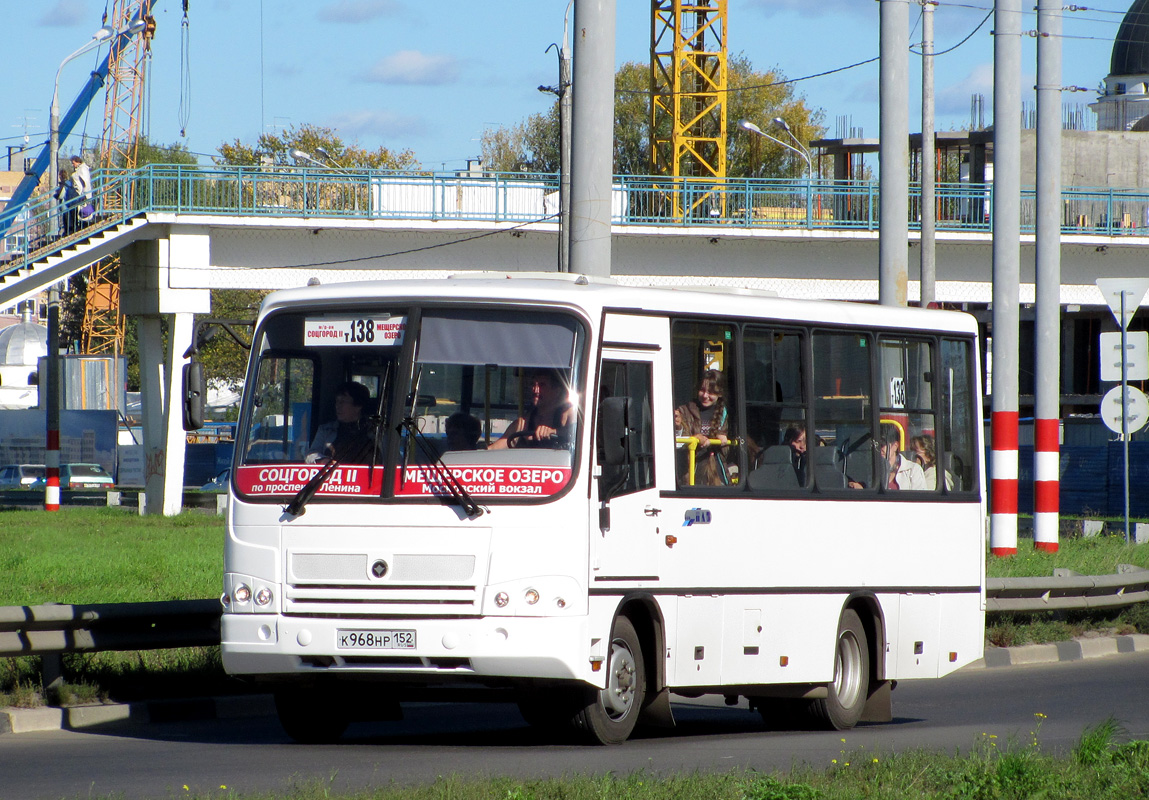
point(413, 68)
point(356, 124)
point(955, 98)
point(356, 10)
point(66, 14)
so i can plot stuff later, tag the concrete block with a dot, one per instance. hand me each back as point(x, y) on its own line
point(1068, 651)
point(1033, 654)
point(1141, 532)
point(1098, 648)
point(1092, 527)
point(27, 720)
point(997, 657)
point(1133, 643)
point(86, 716)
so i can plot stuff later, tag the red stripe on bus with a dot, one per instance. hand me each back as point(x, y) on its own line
point(1045, 435)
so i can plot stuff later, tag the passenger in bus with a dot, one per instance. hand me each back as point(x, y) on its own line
point(348, 437)
point(704, 420)
point(549, 423)
point(926, 455)
point(901, 473)
point(795, 439)
point(463, 431)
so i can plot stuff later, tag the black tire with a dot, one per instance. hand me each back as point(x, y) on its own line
point(608, 716)
point(310, 716)
point(846, 695)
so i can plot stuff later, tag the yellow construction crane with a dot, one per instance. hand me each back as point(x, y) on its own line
point(688, 75)
point(102, 329)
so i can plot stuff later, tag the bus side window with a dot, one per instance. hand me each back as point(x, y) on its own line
point(705, 405)
point(631, 379)
point(776, 431)
point(842, 453)
point(956, 442)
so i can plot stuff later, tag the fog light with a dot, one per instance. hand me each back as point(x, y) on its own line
point(242, 593)
point(501, 599)
point(531, 596)
point(263, 596)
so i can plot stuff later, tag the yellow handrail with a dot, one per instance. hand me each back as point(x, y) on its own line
point(691, 443)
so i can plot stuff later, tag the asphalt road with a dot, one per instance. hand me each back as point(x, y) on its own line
point(253, 755)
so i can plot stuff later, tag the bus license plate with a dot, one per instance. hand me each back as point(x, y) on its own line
point(375, 640)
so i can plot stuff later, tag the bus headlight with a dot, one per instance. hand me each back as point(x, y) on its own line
point(531, 596)
point(242, 593)
point(263, 596)
point(501, 599)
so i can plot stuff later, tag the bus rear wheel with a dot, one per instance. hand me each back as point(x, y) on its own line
point(608, 716)
point(846, 695)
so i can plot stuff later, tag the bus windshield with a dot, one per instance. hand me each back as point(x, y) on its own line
point(406, 402)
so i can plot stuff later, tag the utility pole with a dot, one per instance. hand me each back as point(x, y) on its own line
point(1047, 328)
point(1006, 273)
point(894, 153)
point(592, 132)
point(928, 243)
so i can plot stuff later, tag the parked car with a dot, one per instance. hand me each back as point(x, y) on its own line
point(85, 476)
point(20, 476)
point(218, 483)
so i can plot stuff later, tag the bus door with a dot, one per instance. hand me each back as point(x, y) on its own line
point(627, 543)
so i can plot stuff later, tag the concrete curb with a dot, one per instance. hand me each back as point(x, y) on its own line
point(1072, 650)
point(28, 720)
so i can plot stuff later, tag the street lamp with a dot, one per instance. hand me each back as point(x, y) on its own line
point(784, 125)
point(299, 155)
point(99, 37)
point(746, 124)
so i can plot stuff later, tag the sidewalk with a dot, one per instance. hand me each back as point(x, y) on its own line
point(26, 720)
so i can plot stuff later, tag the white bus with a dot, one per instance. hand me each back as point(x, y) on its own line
point(607, 559)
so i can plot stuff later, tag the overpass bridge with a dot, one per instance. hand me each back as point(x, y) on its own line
point(191, 229)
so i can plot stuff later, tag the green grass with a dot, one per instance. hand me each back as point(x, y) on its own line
point(1099, 555)
point(108, 555)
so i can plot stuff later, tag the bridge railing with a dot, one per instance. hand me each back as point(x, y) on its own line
point(307, 192)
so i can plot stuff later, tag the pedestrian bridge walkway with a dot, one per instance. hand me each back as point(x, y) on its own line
point(269, 226)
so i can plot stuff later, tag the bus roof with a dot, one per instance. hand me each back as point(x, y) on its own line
point(596, 294)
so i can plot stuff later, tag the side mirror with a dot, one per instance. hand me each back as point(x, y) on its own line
point(194, 387)
point(614, 428)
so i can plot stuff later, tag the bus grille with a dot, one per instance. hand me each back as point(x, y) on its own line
point(415, 585)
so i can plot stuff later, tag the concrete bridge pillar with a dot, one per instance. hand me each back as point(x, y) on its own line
point(146, 292)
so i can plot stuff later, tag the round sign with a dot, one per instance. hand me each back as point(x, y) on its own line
point(1136, 405)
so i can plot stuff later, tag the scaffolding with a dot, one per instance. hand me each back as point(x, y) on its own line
point(688, 83)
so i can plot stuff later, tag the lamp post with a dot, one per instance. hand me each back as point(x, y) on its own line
point(746, 124)
point(784, 125)
point(563, 93)
point(98, 38)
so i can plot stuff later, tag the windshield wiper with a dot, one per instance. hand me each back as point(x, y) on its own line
point(367, 450)
point(443, 473)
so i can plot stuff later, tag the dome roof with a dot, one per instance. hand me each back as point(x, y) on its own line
point(1131, 47)
point(22, 343)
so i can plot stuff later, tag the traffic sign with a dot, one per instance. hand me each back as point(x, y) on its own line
point(1136, 356)
point(1136, 409)
point(1114, 289)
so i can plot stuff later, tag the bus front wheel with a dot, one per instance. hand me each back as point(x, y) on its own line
point(846, 695)
point(609, 715)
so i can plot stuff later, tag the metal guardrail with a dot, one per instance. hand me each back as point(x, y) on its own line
point(1068, 591)
point(54, 629)
point(48, 629)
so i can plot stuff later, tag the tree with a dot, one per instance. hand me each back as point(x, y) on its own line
point(310, 139)
point(533, 144)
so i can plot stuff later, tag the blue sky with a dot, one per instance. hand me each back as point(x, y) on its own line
point(432, 76)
